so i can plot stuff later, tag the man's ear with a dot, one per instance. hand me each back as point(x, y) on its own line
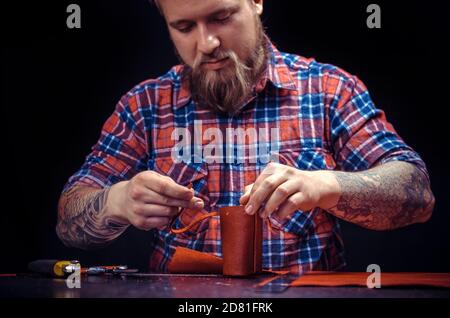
point(258, 6)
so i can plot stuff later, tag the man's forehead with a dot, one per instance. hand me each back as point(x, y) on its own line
point(194, 9)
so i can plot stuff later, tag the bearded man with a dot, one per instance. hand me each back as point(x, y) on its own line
point(335, 155)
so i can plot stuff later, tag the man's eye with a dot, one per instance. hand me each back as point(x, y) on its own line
point(224, 19)
point(185, 29)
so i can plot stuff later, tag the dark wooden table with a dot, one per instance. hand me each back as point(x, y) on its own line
point(188, 286)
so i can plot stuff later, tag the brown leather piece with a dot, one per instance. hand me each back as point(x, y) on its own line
point(188, 261)
point(338, 279)
point(241, 237)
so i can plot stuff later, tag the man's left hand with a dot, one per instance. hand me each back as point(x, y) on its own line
point(283, 189)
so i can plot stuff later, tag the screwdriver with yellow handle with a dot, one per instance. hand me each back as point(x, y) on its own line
point(55, 268)
point(61, 268)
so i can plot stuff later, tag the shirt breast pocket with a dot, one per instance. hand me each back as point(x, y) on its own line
point(185, 173)
point(301, 222)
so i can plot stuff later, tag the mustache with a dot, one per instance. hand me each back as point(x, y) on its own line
point(220, 55)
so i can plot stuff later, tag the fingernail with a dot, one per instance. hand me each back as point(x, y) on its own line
point(249, 209)
point(189, 195)
point(199, 204)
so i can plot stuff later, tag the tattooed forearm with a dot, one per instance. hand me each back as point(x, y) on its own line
point(82, 221)
point(386, 197)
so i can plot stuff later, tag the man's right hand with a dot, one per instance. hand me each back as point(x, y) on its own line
point(149, 200)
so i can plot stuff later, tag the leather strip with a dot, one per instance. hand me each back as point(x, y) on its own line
point(192, 224)
point(338, 279)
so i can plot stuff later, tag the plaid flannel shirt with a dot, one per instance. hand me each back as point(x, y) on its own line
point(326, 120)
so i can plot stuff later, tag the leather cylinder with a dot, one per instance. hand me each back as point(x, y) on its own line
point(241, 236)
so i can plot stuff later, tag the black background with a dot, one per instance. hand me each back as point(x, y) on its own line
point(60, 85)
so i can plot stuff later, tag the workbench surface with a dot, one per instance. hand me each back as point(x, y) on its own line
point(189, 286)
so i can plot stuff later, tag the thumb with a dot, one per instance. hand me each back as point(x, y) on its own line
point(245, 197)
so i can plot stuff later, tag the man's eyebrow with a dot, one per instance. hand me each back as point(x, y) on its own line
point(177, 23)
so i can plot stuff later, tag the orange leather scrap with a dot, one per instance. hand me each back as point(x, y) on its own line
point(338, 279)
point(188, 261)
point(242, 250)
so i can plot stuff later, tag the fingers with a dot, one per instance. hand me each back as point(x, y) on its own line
point(279, 196)
point(244, 198)
point(147, 224)
point(248, 188)
point(151, 197)
point(153, 200)
point(154, 210)
point(297, 201)
point(153, 188)
point(165, 186)
point(261, 191)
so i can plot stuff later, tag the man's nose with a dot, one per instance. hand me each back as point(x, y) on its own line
point(207, 42)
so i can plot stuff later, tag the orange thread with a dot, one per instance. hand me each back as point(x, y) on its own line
point(193, 223)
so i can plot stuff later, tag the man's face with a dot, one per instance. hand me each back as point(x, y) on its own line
point(221, 42)
point(199, 27)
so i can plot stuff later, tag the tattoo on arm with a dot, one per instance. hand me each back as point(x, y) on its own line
point(386, 197)
point(81, 218)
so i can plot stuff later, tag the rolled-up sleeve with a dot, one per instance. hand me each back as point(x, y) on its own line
point(360, 134)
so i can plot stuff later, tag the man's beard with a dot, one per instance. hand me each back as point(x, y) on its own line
point(225, 90)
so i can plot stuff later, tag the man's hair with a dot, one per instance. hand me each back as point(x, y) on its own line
point(155, 2)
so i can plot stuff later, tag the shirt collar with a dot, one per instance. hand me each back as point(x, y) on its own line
point(277, 72)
